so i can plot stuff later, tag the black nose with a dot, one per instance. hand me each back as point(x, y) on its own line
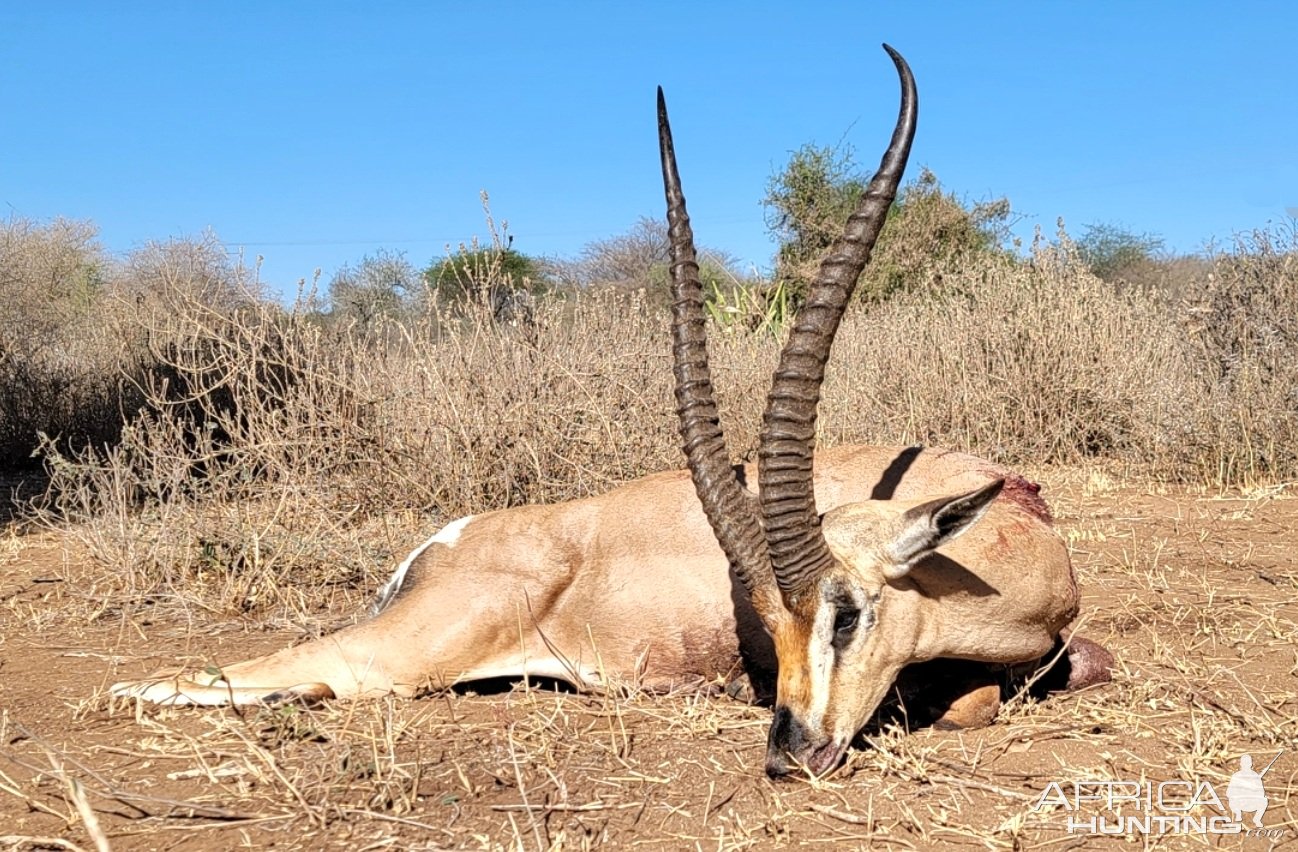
point(789, 737)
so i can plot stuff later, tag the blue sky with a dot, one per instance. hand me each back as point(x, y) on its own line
point(314, 133)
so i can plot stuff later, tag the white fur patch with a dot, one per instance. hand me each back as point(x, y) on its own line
point(820, 660)
point(447, 536)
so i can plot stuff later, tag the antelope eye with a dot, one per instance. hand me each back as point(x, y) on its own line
point(846, 620)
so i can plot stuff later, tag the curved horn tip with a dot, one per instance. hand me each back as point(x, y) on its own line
point(897, 58)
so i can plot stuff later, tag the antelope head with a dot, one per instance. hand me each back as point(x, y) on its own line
point(824, 588)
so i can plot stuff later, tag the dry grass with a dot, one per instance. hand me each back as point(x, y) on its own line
point(277, 464)
point(1042, 364)
point(275, 453)
point(1244, 331)
point(272, 445)
point(1192, 589)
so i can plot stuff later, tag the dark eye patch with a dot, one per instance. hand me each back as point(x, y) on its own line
point(846, 619)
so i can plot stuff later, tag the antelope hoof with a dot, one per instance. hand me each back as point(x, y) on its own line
point(976, 708)
point(741, 689)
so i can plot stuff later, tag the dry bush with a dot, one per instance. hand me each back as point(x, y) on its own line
point(1044, 362)
point(277, 451)
point(933, 237)
point(932, 234)
point(639, 257)
point(1175, 278)
point(49, 275)
point(59, 360)
point(1038, 362)
point(166, 276)
point(272, 444)
point(1243, 322)
point(75, 329)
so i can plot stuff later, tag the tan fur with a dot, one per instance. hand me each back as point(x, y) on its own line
point(630, 586)
point(999, 592)
point(976, 708)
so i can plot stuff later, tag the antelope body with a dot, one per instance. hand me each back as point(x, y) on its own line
point(693, 576)
point(588, 591)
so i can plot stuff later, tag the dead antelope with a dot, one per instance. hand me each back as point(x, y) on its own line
point(920, 554)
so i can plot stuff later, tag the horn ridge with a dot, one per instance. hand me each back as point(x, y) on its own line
point(796, 546)
point(730, 509)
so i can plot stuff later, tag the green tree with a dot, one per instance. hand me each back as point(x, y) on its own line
point(933, 234)
point(474, 273)
point(1115, 252)
point(930, 231)
point(807, 203)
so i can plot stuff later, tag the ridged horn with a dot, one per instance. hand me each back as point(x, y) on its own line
point(796, 547)
point(730, 509)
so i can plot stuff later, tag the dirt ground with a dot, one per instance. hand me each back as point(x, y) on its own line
point(1193, 592)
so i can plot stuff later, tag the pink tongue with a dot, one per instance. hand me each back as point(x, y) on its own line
point(823, 758)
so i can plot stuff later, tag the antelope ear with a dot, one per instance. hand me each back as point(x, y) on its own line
point(928, 526)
